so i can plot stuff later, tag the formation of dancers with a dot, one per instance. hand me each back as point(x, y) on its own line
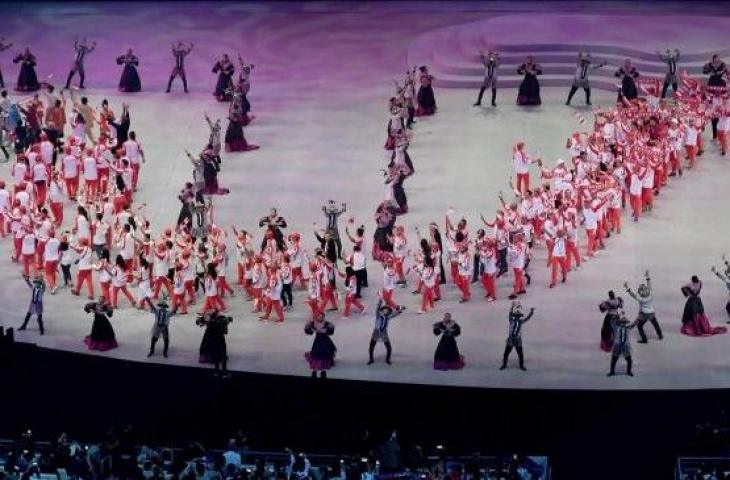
point(615, 168)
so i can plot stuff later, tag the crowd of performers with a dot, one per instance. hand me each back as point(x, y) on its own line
point(616, 168)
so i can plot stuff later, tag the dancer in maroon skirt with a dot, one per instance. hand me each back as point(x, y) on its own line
point(102, 336)
point(447, 356)
point(237, 118)
point(694, 321)
point(322, 355)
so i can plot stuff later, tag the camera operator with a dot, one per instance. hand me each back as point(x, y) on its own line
point(332, 212)
point(213, 345)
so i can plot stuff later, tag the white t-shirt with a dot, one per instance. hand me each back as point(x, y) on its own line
point(70, 166)
point(51, 253)
point(90, 171)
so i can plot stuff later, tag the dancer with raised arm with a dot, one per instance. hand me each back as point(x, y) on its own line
point(3, 46)
point(725, 277)
point(81, 50)
point(179, 51)
point(646, 307)
point(529, 91)
point(670, 58)
point(611, 307)
point(580, 80)
point(321, 357)
point(447, 356)
point(491, 63)
point(628, 75)
point(27, 78)
point(622, 343)
point(514, 337)
point(383, 315)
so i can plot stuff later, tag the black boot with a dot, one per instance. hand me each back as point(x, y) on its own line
point(68, 80)
point(388, 352)
point(614, 359)
point(5, 152)
point(152, 348)
point(323, 374)
point(185, 84)
point(494, 97)
point(505, 357)
point(573, 89)
point(81, 80)
point(479, 98)
point(166, 342)
point(40, 323)
point(629, 364)
point(25, 323)
point(371, 350)
point(588, 95)
point(521, 356)
point(169, 85)
point(664, 89)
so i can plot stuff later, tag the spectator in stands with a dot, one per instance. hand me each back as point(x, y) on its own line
point(231, 456)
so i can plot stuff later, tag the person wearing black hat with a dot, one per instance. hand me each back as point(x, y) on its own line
point(621, 343)
point(161, 326)
point(383, 316)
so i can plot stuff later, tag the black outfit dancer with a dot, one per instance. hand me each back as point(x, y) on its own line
point(385, 216)
point(725, 279)
point(425, 97)
point(611, 307)
point(332, 212)
point(102, 336)
point(694, 321)
point(322, 355)
point(383, 315)
point(274, 223)
point(716, 69)
point(646, 307)
point(491, 63)
point(213, 346)
point(187, 202)
point(529, 92)
point(244, 86)
point(237, 117)
point(207, 167)
point(514, 337)
point(447, 355)
point(671, 78)
point(224, 87)
point(622, 343)
point(328, 246)
point(37, 289)
point(628, 75)
point(27, 78)
point(394, 178)
point(580, 80)
point(129, 82)
point(3, 46)
point(122, 126)
point(179, 51)
point(161, 327)
point(81, 50)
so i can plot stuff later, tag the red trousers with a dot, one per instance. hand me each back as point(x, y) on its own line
point(72, 186)
point(427, 299)
point(314, 305)
point(106, 290)
point(158, 283)
point(135, 175)
point(455, 273)
point(84, 276)
point(388, 298)
point(489, 285)
point(558, 263)
point(328, 298)
point(50, 268)
point(636, 206)
point(647, 198)
point(214, 302)
point(519, 285)
point(91, 189)
point(178, 303)
point(351, 300)
point(57, 211)
point(125, 291)
point(190, 291)
point(40, 192)
point(691, 154)
point(296, 273)
point(549, 243)
point(615, 218)
point(571, 251)
point(223, 286)
point(276, 305)
point(257, 293)
point(674, 161)
point(465, 286)
point(29, 263)
point(591, 244)
point(398, 266)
